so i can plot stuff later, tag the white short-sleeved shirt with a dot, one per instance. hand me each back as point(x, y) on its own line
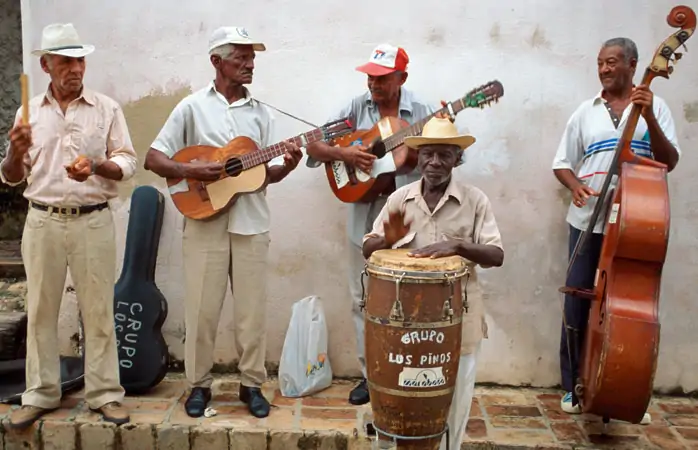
point(206, 118)
point(588, 143)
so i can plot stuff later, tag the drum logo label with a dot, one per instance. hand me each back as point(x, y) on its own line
point(417, 377)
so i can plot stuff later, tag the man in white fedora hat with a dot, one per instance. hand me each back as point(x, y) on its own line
point(72, 153)
point(234, 245)
point(440, 216)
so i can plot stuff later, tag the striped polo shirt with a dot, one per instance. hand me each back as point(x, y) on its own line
point(587, 147)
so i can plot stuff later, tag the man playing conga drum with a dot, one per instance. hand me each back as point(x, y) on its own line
point(439, 216)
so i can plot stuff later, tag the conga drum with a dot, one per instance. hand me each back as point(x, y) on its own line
point(413, 310)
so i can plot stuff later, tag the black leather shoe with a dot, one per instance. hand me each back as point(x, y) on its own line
point(256, 403)
point(197, 401)
point(359, 395)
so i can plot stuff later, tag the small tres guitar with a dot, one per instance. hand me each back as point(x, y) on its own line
point(244, 170)
point(385, 140)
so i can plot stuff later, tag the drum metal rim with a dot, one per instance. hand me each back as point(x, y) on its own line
point(415, 275)
point(384, 321)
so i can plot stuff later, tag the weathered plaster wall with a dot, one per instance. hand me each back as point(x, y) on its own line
point(150, 55)
point(12, 204)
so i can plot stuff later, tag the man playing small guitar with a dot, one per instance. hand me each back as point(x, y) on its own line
point(233, 244)
point(386, 97)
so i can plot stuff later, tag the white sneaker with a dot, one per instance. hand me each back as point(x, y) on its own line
point(646, 419)
point(566, 405)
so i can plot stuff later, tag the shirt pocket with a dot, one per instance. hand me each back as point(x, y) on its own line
point(93, 141)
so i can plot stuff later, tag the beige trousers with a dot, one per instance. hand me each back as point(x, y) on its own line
point(212, 256)
point(356, 267)
point(50, 245)
point(462, 400)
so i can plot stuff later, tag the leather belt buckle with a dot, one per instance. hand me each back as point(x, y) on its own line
point(66, 212)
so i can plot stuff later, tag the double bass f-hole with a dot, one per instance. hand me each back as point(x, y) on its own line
point(396, 312)
point(602, 304)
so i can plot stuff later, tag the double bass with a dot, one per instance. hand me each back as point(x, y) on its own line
point(620, 349)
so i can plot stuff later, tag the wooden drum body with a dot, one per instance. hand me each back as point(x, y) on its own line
point(413, 316)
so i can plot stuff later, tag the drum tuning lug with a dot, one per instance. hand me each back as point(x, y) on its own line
point(396, 312)
point(447, 310)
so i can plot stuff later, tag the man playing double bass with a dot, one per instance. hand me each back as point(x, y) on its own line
point(439, 216)
point(581, 163)
point(387, 72)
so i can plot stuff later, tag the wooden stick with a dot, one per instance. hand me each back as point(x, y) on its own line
point(24, 81)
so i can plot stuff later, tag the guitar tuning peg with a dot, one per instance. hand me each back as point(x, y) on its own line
point(677, 56)
point(670, 70)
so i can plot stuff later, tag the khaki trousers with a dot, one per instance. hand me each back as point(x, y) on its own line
point(212, 256)
point(50, 245)
point(356, 267)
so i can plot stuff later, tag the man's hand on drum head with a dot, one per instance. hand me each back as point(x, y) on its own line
point(438, 250)
point(395, 227)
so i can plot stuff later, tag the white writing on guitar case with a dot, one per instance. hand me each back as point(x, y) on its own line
point(131, 326)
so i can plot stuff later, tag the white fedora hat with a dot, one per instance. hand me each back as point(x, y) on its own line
point(440, 131)
point(233, 35)
point(62, 39)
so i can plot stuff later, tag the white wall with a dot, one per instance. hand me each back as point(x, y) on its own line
point(147, 52)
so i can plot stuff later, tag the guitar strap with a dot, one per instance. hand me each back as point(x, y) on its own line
point(288, 114)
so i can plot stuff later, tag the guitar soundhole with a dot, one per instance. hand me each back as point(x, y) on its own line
point(378, 149)
point(233, 167)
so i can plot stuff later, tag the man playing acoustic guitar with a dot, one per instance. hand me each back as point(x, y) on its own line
point(231, 245)
point(386, 97)
point(587, 147)
point(439, 216)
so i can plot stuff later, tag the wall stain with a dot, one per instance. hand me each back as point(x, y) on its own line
point(538, 39)
point(145, 117)
point(495, 33)
point(435, 37)
point(690, 112)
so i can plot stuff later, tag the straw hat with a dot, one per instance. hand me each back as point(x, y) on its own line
point(62, 39)
point(440, 131)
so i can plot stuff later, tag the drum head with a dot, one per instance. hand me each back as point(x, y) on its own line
point(398, 260)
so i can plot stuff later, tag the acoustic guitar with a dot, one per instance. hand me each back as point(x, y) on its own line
point(140, 309)
point(244, 170)
point(386, 140)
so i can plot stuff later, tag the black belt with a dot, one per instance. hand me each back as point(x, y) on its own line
point(70, 211)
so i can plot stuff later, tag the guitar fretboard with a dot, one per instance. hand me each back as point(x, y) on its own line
point(473, 100)
point(266, 154)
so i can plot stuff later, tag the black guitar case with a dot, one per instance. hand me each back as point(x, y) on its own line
point(13, 381)
point(140, 308)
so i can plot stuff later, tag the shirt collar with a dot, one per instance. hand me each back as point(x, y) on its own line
point(415, 190)
point(405, 100)
point(248, 97)
point(87, 95)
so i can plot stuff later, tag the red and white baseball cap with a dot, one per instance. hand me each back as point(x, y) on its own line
point(385, 59)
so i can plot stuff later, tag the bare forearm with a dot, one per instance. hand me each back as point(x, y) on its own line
point(567, 178)
point(662, 149)
point(277, 173)
point(372, 244)
point(13, 167)
point(157, 162)
point(321, 151)
point(486, 255)
point(110, 170)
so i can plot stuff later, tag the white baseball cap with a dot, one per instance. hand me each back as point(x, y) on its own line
point(62, 39)
point(385, 59)
point(233, 35)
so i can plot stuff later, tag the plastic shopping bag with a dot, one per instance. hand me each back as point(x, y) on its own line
point(304, 368)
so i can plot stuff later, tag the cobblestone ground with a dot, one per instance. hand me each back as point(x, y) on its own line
point(500, 419)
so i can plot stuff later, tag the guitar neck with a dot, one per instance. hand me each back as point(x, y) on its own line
point(266, 154)
point(415, 129)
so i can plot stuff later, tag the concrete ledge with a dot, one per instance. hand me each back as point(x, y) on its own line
point(500, 418)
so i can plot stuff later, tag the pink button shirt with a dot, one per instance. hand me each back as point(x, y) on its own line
point(94, 126)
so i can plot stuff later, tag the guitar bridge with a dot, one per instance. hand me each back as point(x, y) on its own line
point(203, 193)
